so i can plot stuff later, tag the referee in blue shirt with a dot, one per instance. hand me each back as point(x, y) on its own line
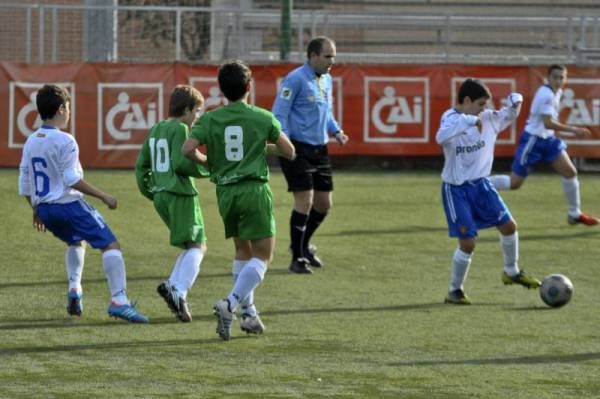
point(304, 107)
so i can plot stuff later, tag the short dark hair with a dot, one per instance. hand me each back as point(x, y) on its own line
point(556, 66)
point(474, 89)
point(234, 78)
point(49, 99)
point(316, 45)
point(184, 97)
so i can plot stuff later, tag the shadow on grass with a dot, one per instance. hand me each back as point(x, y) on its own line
point(389, 308)
point(112, 346)
point(400, 230)
point(541, 359)
point(25, 324)
point(542, 237)
point(73, 322)
point(157, 279)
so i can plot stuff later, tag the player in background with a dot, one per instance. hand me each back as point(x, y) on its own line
point(51, 179)
point(304, 107)
point(539, 143)
point(467, 134)
point(236, 136)
point(166, 177)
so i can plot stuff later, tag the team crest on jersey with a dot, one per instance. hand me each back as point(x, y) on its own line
point(286, 93)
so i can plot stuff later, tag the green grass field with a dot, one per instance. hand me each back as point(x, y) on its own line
point(371, 324)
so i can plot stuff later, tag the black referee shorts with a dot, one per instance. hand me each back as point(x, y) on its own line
point(311, 170)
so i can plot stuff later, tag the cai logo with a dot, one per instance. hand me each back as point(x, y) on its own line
point(126, 111)
point(23, 118)
point(213, 98)
point(580, 106)
point(396, 109)
point(500, 88)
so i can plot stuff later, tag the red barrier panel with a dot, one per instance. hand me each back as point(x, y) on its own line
point(385, 109)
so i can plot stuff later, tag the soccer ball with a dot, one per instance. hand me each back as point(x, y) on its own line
point(556, 290)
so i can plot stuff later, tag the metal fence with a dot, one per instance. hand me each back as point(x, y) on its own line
point(48, 33)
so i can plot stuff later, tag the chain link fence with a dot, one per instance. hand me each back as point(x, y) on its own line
point(211, 31)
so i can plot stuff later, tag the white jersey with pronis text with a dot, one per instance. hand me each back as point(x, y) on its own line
point(49, 166)
point(545, 102)
point(469, 154)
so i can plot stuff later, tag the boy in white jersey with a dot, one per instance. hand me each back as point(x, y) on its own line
point(51, 179)
point(467, 134)
point(539, 144)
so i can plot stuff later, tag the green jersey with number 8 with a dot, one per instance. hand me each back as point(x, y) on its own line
point(236, 137)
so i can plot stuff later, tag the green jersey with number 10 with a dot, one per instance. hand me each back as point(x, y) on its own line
point(160, 165)
point(236, 137)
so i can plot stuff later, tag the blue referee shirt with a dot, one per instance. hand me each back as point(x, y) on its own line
point(303, 106)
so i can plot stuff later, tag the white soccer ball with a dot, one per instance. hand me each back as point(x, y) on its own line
point(556, 290)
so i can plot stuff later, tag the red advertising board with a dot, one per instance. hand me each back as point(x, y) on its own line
point(384, 109)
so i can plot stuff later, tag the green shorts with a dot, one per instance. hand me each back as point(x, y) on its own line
point(247, 210)
point(183, 217)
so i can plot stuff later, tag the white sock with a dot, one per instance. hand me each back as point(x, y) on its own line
point(249, 278)
point(501, 182)
point(460, 267)
point(248, 302)
point(187, 270)
point(114, 269)
point(571, 189)
point(175, 271)
point(236, 268)
point(74, 257)
point(510, 251)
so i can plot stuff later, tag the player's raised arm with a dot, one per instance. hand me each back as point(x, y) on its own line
point(454, 124)
point(505, 116)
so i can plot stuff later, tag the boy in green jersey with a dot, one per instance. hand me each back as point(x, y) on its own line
point(165, 177)
point(236, 137)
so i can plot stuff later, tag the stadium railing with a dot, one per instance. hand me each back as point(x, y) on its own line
point(56, 33)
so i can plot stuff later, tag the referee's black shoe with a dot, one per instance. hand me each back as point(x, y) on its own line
point(312, 259)
point(300, 266)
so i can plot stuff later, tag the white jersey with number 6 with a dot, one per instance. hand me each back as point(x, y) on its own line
point(49, 167)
